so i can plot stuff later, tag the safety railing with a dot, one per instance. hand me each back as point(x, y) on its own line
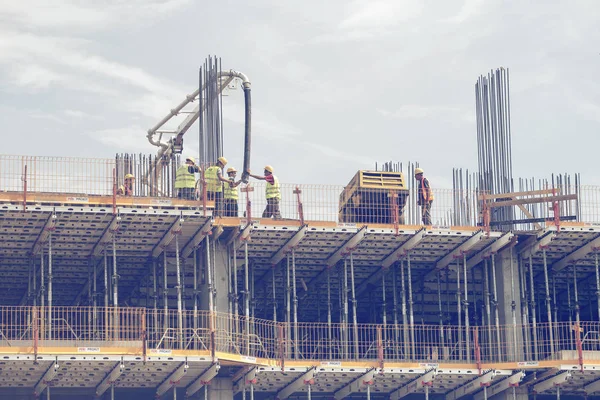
point(35, 327)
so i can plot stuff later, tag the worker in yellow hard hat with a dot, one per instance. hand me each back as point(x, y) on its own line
point(126, 189)
point(272, 193)
point(185, 183)
point(424, 196)
point(214, 184)
point(230, 194)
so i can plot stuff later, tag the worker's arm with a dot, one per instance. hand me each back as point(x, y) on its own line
point(262, 178)
point(235, 184)
point(220, 177)
point(427, 188)
point(193, 169)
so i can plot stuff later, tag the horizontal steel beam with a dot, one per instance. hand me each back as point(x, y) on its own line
point(577, 255)
point(172, 380)
point(541, 242)
point(347, 247)
point(168, 237)
point(413, 386)
point(204, 379)
point(552, 382)
point(493, 248)
point(472, 386)
point(197, 239)
point(460, 250)
point(289, 245)
point(46, 379)
point(297, 384)
point(356, 385)
point(404, 248)
point(109, 379)
point(505, 384)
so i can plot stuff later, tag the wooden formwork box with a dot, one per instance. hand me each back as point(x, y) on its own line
point(370, 197)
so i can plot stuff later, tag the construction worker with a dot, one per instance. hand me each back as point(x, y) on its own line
point(127, 188)
point(214, 184)
point(185, 183)
point(424, 197)
point(230, 194)
point(272, 193)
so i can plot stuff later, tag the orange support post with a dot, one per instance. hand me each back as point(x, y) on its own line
point(297, 192)
point(477, 349)
point(247, 190)
point(577, 331)
point(24, 178)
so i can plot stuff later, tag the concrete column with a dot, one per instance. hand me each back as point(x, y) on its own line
point(219, 389)
point(520, 394)
point(218, 257)
point(508, 299)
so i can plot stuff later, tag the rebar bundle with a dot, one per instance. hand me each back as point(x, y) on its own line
point(210, 124)
point(494, 153)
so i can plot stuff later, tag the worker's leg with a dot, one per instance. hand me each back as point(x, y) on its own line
point(268, 209)
point(276, 211)
point(234, 209)
point(426, 213)
point(218, 204)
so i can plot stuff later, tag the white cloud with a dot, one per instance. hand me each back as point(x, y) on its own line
point(379, 13)
point(469, 9)
point(129, 139)
point(414, 111)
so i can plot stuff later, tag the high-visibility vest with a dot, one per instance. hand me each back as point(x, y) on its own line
point(229, 192)
point(212, 179)
point(183, 178)
point(423, 190)
point(273, 191)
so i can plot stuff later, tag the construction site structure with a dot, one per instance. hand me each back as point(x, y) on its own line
point(147, 295)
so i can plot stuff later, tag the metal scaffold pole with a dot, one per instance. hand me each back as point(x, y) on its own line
point(410, 307)
point(354, 319)
point(50, 285)
point(495, 302)
point(405, 336)
point(295, 300)
point(288, 305)
point(209, 280)
point(524, 309)
point(106, 321)
point(346, 312)
point(466, 304)
point(459, 309)
point(165, 295)
point(115, 287)
point(154, 296)
point(179, 300)
point(513, 305)
point(236, 305)
point(329, 332)
point(597, 264)
point(94, 299)
point(247, 297)
point(441, 313)
point(274, 293)
point(548, 303)
point(42, 291)
point(383, 306)
point(395, 308)
point(533, 313)
point(576, 296)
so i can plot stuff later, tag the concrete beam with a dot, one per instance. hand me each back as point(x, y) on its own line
point(541, 242)
point(46, 379)
point(172, 380)
point(493, 248)
point(289, 245)
point(404, 248)
point(297, 384)
point(460, 250)
point(347, 247)
point(242, 237)
point(109, 379)
point(511, 381)
point(203, 379)
point(552, 382)
point(249, 375)
point(356, 385)
point(472, 386)
point(424, 380)
point(43, 236)
point(197, 239)
point(577, 255)
point(106, 236)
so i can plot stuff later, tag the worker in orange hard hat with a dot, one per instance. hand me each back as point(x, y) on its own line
point(272, 193)
point(230, 194)
point(424, 196)
point(127, 188)
point(214, 184)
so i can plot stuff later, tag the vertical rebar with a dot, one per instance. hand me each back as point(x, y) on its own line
point(354, 319)
point(548, 303)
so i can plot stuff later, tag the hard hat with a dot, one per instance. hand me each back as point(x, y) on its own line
point(269, 168)
point(129, 176)
point(418, 171)
point(230, 170)
point(189, 158)
point(222, 160)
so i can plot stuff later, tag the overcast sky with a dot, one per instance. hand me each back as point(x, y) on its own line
point(336, 85)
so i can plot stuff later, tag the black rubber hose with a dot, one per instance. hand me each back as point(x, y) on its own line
point(247, 134)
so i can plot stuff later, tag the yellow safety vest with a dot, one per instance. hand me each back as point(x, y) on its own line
point(273, 191)
point(183, 178)
point(212, 179)
point(229, 192)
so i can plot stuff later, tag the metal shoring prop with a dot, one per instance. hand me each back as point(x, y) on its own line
point(295, 300)
point(576, 296)
point(209, 281)
point(229, 283)
point(459, 309)
point(466, 304)
point(524, 307)
point(35, 294)
point(548, 302)
point(165, 295)
point(247, 297)
point(533, 316)
point(597, 281)
point(403, 308)
point(155, 295)
point(441, 312)
point(94, 300)
point(115, 287)
point(384, 306)
point(288, 304)
point(106, 321)
point(252, 295)
point(329, 332)
point(410, 307)
point(179, 300)
point(195, 252)
point(513, 304)
point(50, 286)
point(354, 319)
point(395, 300)
point(345, 323)
point(274, 296)
point(495, 302)
point(236, 305)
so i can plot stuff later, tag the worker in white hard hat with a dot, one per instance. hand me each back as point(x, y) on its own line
point(231, 194)
point(214, 184)
point(185, 182)
point(272, 193)
point(127, 188)
point(424, 196)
